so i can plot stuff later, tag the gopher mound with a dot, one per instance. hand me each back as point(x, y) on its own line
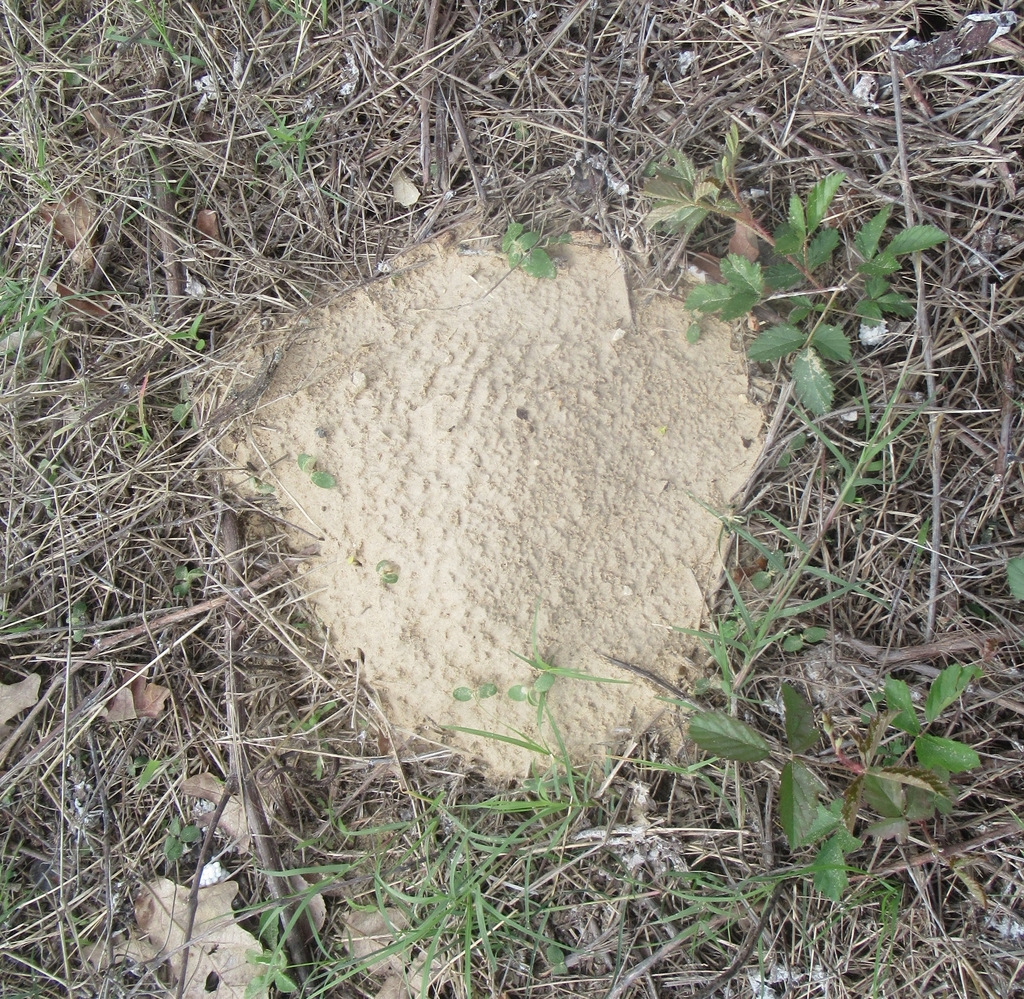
point(508, 453)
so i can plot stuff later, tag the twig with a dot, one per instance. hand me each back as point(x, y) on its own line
point(426, 94)
point(949, 852)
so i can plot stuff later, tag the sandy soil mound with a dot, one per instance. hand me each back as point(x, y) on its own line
point(500, 441)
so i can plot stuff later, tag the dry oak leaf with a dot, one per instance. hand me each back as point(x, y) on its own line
point(140, 699)
point(370, 932)
point(219, 948)
point(232, 821)
point(744, 242)
point(15, 697)
point(74, 220)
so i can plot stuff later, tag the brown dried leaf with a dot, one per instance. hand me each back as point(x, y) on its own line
point(232, 821)
point(74, 220)
point(219, 946)
point(208, 224)
point(371, 932)
point(15, 697)
point(94, 305)
point(97, 117)
point(316, 907)
point(120, 707)
point(744, 242)
point(708, 265)
point(148, 697)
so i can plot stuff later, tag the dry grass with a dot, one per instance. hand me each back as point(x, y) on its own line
point(126, 124)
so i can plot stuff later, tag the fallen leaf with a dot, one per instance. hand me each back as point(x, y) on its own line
point(708, 265)
point(140, 699)
point(406, 192)
point(15, 697)
point(316, 907)
point(744, 242)
point(97, 117)
point(232, 821)
point(94, 305)
point(219, 949)
point(74, 220)
point(208, 224)
point(371, 932)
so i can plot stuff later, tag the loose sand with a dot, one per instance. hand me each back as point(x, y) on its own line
point(502, 441)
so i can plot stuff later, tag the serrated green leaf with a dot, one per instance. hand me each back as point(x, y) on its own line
point(868, 236)
point(851, 802)
point(893, 828)
point(798, 802)
point(708, 297)
point(788, 242)
point(462, 694)
point(821, 247)
point(743, 274)
point(917, 777)
point(896, 304)
point(324, 480)
point(775, 343)
point(934, 751)
point(820, 197)
point(802, 308)
point(867, 309)
point(739, 304)
point(825, 821)
point(830, 877)
point(779, 276)
point(797, 219)
point(539, 265)
point(947, 687)
point(875, 287)
point(732, 147)
point(917, 237)
point(884, 795)
point(726, 736)
point(801, 732)
point(676, 218)
point(879, 266)
point(1015, 577)
point(831, 343)
point(792, 643)
point(898, 699)
point(812, 382)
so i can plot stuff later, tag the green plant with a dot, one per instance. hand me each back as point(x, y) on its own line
point(526, 249)
point(803, 246)
point(387, 571)
point(191, 335)
point(307, 464)
point(178, 838)
point(881, 779)
point(287, 145)
point(184, 577)
point(1015, 577)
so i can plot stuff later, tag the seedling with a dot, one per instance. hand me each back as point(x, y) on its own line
point(387, 571)
point(78, 619)
point(184, 578)
point(190, 336)
point(882, 780)
point(804, 245)
point(179, 838)
point(526, 249)
point(307, 464)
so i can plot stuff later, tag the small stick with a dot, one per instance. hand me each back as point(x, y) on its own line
point(427, 93)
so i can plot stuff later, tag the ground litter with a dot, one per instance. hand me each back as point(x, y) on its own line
point(517, 452)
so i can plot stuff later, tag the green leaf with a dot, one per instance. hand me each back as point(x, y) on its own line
point(761, 581)
point(896, 304)
point(801, 732)
point(676, 217)
point(743, 274)
point(797, 219)
point(885, 796)
point(776, 342)
point(917, 237)
point(947, 687)
point(324, 480)
point(821, 248)
point(173, 848)
point(539, 265)
point(726, 736)
point(933, 751)
point(1015, 577)
point(739, 304)
point(788, 242)
point(512, 233)
point(802, 308)
point(487, 690)
point(783, 275)
point(462, 694)
point(306, 462)
point(811, 635)
point(820, 197)
point(885, 263)
point(792, 643)
point(868, 236)
point(927, 780)
point(544, 683)
point(812, 382)
point(829, 866)
point(894, 828)
point(517, 693)
point(868, 309)
point(190, 834)
point(708, 297)
point(831, 343)
point(851, 801)
point(897, 698)
point(798, 802)
point(825, 821)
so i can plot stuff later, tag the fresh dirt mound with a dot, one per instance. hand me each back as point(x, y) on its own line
point(502, 441)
